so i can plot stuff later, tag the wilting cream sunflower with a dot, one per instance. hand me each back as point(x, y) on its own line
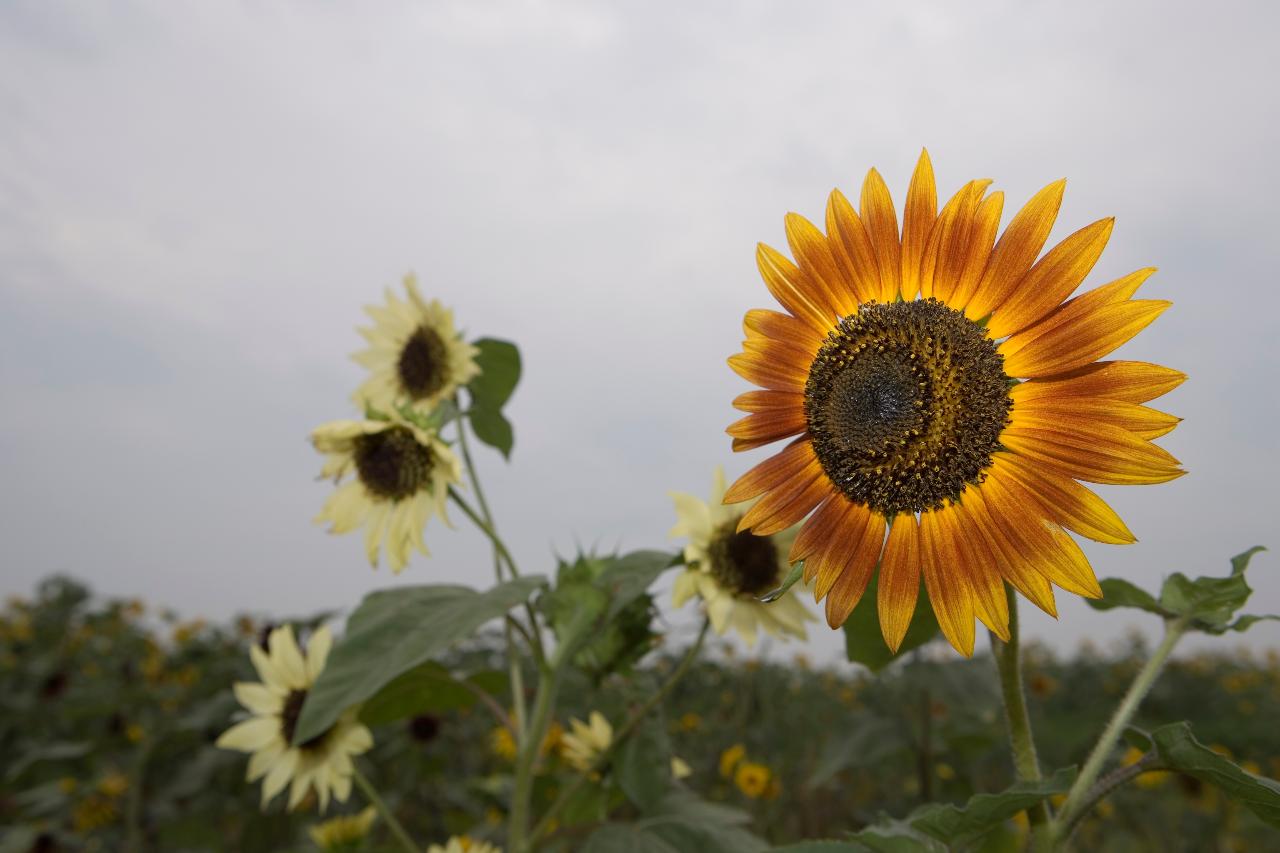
point(731, 568)
point(464, 844)
point(345, 832)
point(415, 355)
point(896, 369)
point(585, 742)
point(402, 477)
point(322, 763)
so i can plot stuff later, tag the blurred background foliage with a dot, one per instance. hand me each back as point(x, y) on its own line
point(109, 711)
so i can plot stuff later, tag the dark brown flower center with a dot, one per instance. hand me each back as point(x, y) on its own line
point(392, 464)
point(289, 720)
point(742, 562)
point(424, 364)
point(905, 403)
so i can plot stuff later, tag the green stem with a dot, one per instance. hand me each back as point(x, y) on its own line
point(1173, 631)
point(371, 794)
point(1104, 786)
point(622, 733)
point(543, 703)
point(133, 810)
point(486, 528)
point(1009, 666)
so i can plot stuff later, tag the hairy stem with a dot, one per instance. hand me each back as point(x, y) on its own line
point(621, 734)
point(1077, 796)
point(375, 799)
point(1026, 764)
point(1104, 786)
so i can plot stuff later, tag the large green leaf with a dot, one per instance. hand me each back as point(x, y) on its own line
point(632, 574)
point(623, 838)
point(869, 741)
point(499, 363)
point(395, 630)
point(864, 640)
point(1179, 750)
point(492, 427)
point(1120, 593)
point(643, 765)
point(983, 811)
point(428, 688)
point(691, 824)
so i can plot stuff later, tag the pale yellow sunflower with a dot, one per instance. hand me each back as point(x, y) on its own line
point(586, 742)
point(322, 763)
point(941, 384)
point(464, 844)
point(402, 477)
point(415, 357)
point(730, 569)
point(343, 832)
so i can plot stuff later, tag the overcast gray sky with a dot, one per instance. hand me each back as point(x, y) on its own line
point(197, 198)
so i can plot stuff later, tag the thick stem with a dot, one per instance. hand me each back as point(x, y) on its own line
point(518, 839)
point(1076, 797)
point(1104, 786)
point(1026, 764)
point(621, 734)
point(375, 799)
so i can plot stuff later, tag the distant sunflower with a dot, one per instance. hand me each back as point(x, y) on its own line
point(730, 569)
point(896, 368)
point(322, 763)
point(403, 474)
point(415, 356)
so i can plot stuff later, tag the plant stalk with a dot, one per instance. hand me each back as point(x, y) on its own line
point(518, 838)
point(1076, 797)
point(375, 799)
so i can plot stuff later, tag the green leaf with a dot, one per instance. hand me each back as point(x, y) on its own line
point(492, 427)
point(499, 363)
point(632, 574)
point(1244, 623)
point(623, 838)
point(425, 689)
point(1121, 593)
point(984, 811)
point(1137, 738)
point(797, 571)
point(864, 640)
point(1240, 562)
point(870, 740)
point(688, 823)
point(1179, 750)
point(823, 846)
point(643, 764)
point(395, 630)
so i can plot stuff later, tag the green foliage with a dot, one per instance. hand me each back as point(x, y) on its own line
point(1205, 604)
point(864, 640)
point(428, 689)
point(679, 822)
point(643, 764)
point(395, 630)
point(499, 363)
point(1179, 750)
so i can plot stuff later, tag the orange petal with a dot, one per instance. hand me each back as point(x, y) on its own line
point(1105, 454)
point(777, 469)
point(783, 352)
point(858, 532)
point(1083, 305)
point(1051, 280)
point(859, 566)
point(813, 253)
point(793, 290)
point(1017, 250)
point(767, 372)
point(758, 430)
point(818, 531)
point(852, 248)
point(1131, 381)
point(899, 584)
point(1076, 344)
point(1019, 570)
point(1065, 501)
point(769, 401)
point(787, 503)
point(944, 254)
point(948, 587)
point(1036, 407)
point(917, 219)
point(781, 327)
point(986, 222)
point(881, 221)
point(990, 604)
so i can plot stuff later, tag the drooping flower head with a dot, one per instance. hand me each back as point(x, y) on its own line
point(402, 477)
point(322, 764)
point(730, 569)
point(938, 384)
point(415, 357)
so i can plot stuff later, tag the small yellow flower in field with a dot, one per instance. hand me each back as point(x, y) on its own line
point(730, 570)
point(1042, 686)
point(587, 741)
point(945, 771)
point(680, 768)
point(68, 784)
point(402, 477)
point(113, 785)
point(93, 812)
point(464, 844)
point(246, 627)
point(554, 739)
point(752, 779)
point(185, 632)
point(415, 355)
point(502, 743)
point(1149, 780)
point(1056, 800)
point(1221, 749)
point(690, 722)
point(1251, 766)
point(493, 816)
point(1105, 810)
point(731, 758)
point(135, 608)
point(134, 733)
point(343, 832)
point(324, 762)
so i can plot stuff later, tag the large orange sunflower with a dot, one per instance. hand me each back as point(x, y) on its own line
point(945, 401)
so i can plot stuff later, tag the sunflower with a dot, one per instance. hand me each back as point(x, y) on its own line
point(402, 477)
point(345, 832)
point(415, 357)
point(730, 569)
point(586, 742)
point(464, 844)
point(935, 384)
point(324, 762)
